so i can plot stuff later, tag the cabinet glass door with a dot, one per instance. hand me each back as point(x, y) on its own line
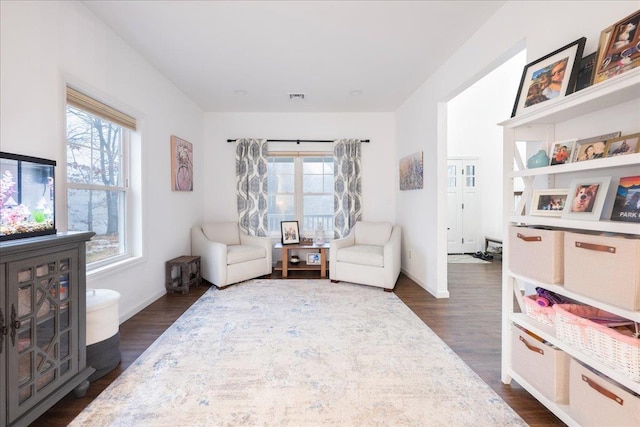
point(41, 342)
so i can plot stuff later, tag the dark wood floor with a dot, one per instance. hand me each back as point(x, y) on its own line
point(468, 321)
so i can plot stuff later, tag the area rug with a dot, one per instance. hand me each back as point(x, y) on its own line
point(298, 353)
point(465, 259)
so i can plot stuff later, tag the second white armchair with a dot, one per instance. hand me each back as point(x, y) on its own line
point(369, 255)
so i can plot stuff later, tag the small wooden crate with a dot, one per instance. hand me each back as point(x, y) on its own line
point(188, 273)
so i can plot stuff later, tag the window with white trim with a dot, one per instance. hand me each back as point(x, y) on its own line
point(97, 172)
point(301, 188)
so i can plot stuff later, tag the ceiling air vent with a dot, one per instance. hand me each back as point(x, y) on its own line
point(296, 96)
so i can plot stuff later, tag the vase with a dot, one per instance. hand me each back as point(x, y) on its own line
point(319, 237)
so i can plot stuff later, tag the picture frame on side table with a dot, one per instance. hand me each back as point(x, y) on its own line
point(549, 78)
point(628, 144)
point(549, 202)
point(626, 206)
point(586, 198)
point(313, 259)
point(562, 152)
point(619, 48)
point(290, 232)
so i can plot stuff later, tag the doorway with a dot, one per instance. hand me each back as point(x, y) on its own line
point(462, 205)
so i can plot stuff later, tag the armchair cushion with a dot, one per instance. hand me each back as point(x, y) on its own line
point(241, 253)
point(362, 255)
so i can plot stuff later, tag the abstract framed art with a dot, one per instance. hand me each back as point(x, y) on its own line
point(181, 164)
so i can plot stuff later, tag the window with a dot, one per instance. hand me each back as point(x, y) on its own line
point(97, 168)
point(301, 188)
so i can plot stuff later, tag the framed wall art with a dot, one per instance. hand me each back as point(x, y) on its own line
point(586, 198)
point(624, 145)
point(290, 232)
point(411, 172)
point(619, 48)
point(549, 78)
point(181, 164)
point(549, 202)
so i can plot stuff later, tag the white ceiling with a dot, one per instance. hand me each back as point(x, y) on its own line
point(324, 49)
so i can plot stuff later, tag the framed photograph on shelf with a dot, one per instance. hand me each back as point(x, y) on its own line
point(290, 232)
point(585, 72)
point(626, 206)
point(549, 78)
point(562, 152)
point(313, 259)
point(586, 198)
point(618, 49)
point(628, 144)
point(549, 202)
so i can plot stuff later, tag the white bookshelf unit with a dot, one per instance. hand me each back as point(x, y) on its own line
point(589, 112)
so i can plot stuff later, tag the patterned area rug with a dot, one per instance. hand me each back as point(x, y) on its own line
point(298, 353)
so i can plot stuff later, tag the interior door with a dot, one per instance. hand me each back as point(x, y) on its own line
point(462, 206)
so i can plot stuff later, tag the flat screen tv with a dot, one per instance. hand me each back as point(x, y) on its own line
point(27, 196)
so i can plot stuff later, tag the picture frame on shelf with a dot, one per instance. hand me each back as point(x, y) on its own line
point(600, 146)
point(618, 48)
point(626, 206)
point(290, 232)
point(313, 259)
point(586, 198)
point(549, 202)
point(549, 78)
point(585, 72)
point(628, 144)
point(562, 152)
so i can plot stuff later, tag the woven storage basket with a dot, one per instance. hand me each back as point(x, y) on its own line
point(546, 315)
point(619, 352)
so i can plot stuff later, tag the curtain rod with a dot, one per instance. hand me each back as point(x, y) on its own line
point(298, 141)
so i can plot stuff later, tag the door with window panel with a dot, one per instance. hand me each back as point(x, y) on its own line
point(462, 206)
point(43, 336)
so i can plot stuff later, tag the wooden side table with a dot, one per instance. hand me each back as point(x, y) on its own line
point(188, 274)
point(285, 266)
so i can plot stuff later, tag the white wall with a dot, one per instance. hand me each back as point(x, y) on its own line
point(46, 45)
point(474, 132)
point(379, 168)
point(515, 26)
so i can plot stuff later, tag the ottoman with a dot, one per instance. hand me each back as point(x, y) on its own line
point(103, 331)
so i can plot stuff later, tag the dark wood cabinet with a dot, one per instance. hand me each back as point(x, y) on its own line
point(42, 324)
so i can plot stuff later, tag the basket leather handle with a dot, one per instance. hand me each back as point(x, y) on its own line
point(594, 247)
point(531, 347)
point(603, 391)
point(529, 238)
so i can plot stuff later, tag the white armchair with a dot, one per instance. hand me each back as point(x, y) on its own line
point(369, 255)
point(228, 255)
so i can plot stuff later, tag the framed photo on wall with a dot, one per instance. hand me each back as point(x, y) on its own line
point(586, 198)
point(549, 78)
point(549, 202)
point(290, 232)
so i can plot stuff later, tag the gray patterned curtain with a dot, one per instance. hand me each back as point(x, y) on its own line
point(251, 185)
point(347, 203)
